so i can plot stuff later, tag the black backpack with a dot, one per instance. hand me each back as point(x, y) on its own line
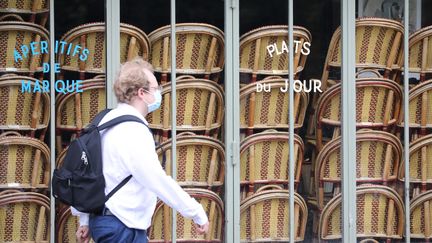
point(79, 181)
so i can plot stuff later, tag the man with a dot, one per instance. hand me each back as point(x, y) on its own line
point(128, 149)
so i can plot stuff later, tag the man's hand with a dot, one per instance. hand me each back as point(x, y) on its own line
point(202, 229)
point(82, 234)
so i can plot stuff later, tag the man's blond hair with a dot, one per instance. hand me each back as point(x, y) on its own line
point(131, 78)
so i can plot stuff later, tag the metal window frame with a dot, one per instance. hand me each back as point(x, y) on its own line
point(232, 126)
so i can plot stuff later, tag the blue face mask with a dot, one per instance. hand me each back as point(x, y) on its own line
point(157, 103)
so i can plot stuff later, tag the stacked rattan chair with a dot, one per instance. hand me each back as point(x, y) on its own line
point(420, 152)
point(200, 51)
point(420, 53)
point(420, 114)
point(24, 217)
point(160, 231)
point(76, 110)
point(264, 160)
point(33, 11)
point(420, 217)
point(264, 216)
point(380, 215)
point(379, 44)
point(269, 110)
point(200, 108)
point(255, 58)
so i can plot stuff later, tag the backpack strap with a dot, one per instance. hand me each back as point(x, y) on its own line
point(120, 185)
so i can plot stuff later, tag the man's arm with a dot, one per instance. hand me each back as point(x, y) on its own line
point(143, 162)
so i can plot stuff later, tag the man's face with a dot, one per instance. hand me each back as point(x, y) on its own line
point(153, 87)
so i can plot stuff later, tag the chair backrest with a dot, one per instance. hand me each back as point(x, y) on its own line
point(76, 110)
point(378, 105)
point(200, 106)
point(200, 160)
point(25, 217)
point(265, 50)
point(378, 45)
point(380, 214)
point(24, 6)
point(160, 230)
point(266, 110)
point(420, 106)
point(22, 110)
point(378, 156)
point(16, 36)
point(420, 160)
point(264, 217)
point(24, 163)
point(133, 43)
point(420, 52)
point(200, 49)
point(264, 158)
point(420, 216)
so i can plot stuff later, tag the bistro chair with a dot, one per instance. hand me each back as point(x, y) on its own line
point(378, 104)
point(160, 231)
point(29, 9)
point(380, 215)
point(133, 43)
point(378, 44)
point(24, 163)
point(200, 50)
point(378, 156)
point(77, 109)
point(420, 109)
point(200, 160)
point(420, 217)
point(264, 159)
point(25, 217)
point(420, 161)
point(269, 110)
point(420, 53)
point(17, 32)
point(264, 216)
point(200, 108)
point(264, 51)
point(26, 112)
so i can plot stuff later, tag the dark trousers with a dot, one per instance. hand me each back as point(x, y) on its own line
point(109, 229)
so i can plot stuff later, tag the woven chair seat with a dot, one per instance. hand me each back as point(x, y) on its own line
point(24, 217)
point(420, 106)
point(255, 58)
point(378, 104)
point(160, 231)
point(133, 43)
point(200, 49)
point(420, 216)
point(24, 163)
point(378, 156)
point(19, 110)
point(420, 162)
point(200, 106)
point(24, 7)
point(378, 45)
point(266, 110)
point(380, 214)
point(264, 217)
point(264, 156)
point(19, 33)
point(200, 160)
